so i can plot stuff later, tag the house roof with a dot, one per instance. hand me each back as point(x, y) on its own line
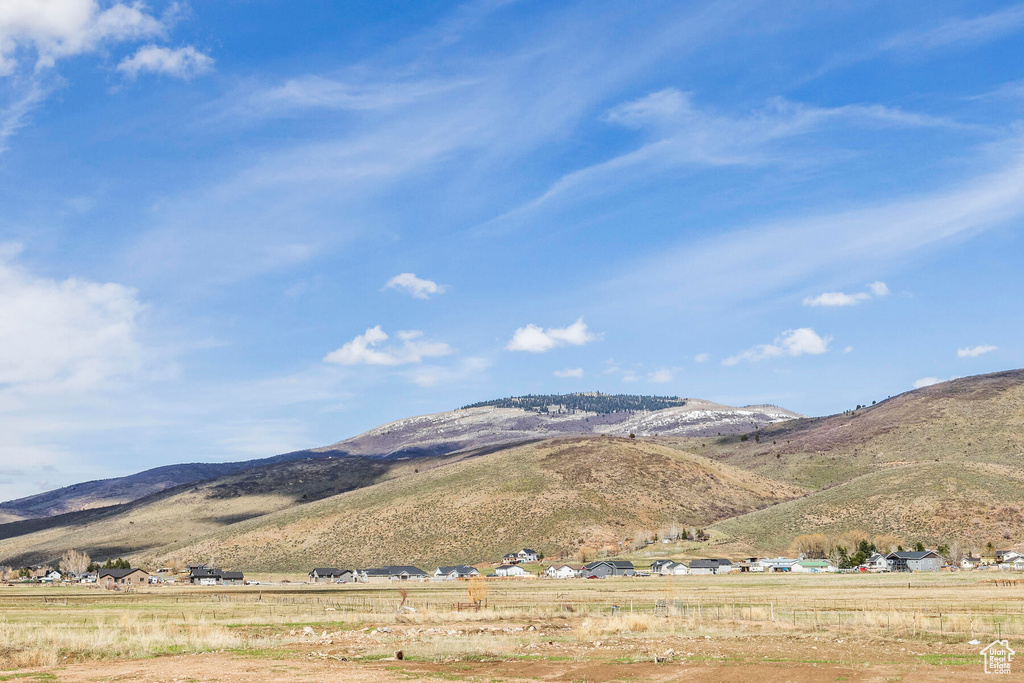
point(527, 551)
point(709, 563)
point(395, 570)
point(617, 564)
point(119, 573)
point(510, 566)
point(460, 569)
point(657, 564)
point(231, 576)
point(912, 554)
point(326, 571)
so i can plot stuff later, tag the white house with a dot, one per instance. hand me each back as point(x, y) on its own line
point(812, 567)
point(456, 572)
point(510, 570)
point(563, 571)
point(877, 563)
point(774, 564)
point(674, 569)
point(527, 555)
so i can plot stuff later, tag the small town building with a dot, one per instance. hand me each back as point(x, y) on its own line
point(528, 555)
point(813, 567)
point(118, 578)
point(211, 576)
point(392, 573)
point(330, 575)
point(563, 571)
point(711, 566)
point(510, 570)
point(877, 564)
point(607, 568)
point(456, 572)
point(914, 561)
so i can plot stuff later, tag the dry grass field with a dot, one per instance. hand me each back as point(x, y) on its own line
point(739, 627)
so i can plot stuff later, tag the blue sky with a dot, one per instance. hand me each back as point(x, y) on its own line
point(233, 229)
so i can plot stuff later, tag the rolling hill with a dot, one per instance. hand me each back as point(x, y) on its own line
point(935, 465)
point(554, 494)
point(485, 425)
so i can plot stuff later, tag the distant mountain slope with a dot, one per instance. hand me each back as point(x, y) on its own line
point(490, 425)
point(938, 463)
point(429, 435)
point(551, 494)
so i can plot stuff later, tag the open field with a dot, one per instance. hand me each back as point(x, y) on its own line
point(768, 627)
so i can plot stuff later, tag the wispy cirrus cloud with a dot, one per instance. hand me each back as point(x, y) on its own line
point(683, 134)
point(569, 373)
point(807, 246)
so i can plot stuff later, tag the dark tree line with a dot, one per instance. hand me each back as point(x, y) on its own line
point(584, 402)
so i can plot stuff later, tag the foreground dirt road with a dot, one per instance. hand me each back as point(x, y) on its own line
point(758, 659)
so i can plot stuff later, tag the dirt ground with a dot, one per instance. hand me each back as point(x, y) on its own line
point(761, 659)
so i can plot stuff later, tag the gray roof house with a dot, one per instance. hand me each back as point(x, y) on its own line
point(658, 564)
point(606, 568)
point(330, 575)
point(716, 565)
point(914, 561)
point(393, 573)
point(453, 573)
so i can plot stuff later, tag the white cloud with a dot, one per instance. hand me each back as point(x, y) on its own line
point(661, 376)
point(466, 370)
point(975, 351)
point(836, 299)
point(878, 289)
point(848, 349)
point(183, 62)
point(569, 372)
point(69, 333)
point(365, 349)
point(926, 382)
point(702, 358)
point(417, 287)
point(960, 31)
point(53, 29)
point(790, 343)
point(538, 340)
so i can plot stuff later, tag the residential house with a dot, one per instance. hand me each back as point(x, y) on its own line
point(330, 575)
point(211, 576)
point(511, 570)
point(563, 571)
point(527, 555)
point(392, 573)
point(774, 564)
point(813, 567)
point(510, 558)
point(658, 564)
point(877, 564)
point(914, 561)
point(606, 568)
point(50, 576)
point(456, 572)
point(711, 566)
point(674, 569)
point(970, 562)
point(117, 578)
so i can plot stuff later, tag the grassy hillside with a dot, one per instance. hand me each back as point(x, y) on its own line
point(929, 502)
point(970, 420)
point(937, 464)
point(553, 495)
point(190, 511)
